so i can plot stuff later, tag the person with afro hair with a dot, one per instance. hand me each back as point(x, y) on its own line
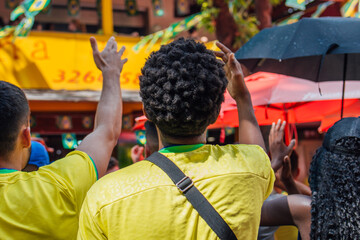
point(335, 183)
point(182, 87)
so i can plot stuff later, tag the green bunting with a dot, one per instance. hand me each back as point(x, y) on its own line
point(292, 19)
point(348, 10)
point(297, 4)
point(320, 9)
point(169, 33)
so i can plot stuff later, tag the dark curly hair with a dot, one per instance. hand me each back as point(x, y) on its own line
point(182, 87)
point(335, 183)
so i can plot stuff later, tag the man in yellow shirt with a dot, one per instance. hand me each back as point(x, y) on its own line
point(45, 204)
point(182, 87)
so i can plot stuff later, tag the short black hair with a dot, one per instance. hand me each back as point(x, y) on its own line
point(14, 111)
point(335, 183)
point(182, 87)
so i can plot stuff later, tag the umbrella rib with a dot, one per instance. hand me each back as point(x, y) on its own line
point(293, 36)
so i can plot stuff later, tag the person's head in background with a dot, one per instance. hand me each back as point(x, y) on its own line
point(38, 157)
point(182, 87)
point(15, 139)
point(335, 183)
point(152, 140)
point(113, 165)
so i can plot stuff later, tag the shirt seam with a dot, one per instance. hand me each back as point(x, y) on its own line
point(171, 185)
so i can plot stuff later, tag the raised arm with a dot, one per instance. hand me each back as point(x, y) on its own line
point(100, 143)
point(249, 131)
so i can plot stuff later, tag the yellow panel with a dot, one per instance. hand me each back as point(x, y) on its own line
point(63, 61)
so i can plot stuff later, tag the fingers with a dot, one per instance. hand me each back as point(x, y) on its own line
point(234, 64)
point(123, 61)
point(121, 51)
point(110, 44)
point(223, 48)
point(221, 55)
point(291, 146)
point(94, 45)
point(283, 126)
point(277, 126)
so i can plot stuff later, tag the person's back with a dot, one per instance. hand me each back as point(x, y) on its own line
point(182, 89)
point(45, 204)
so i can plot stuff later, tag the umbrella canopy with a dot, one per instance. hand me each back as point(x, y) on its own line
point(277, 96)
point(296, 100)
point(297, 49)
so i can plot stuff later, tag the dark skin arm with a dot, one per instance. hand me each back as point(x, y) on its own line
point(288, 210)
point(100, 143)
point(249, 130)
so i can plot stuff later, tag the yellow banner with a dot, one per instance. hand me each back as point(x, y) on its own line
point(63, 61)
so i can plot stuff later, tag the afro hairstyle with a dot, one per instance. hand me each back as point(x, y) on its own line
point(182, 87)
point(335, 183)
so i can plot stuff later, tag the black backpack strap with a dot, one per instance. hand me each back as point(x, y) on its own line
point(194, 196)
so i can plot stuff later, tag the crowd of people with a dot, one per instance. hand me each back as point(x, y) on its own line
point(182, 87)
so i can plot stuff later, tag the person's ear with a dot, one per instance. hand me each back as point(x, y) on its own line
point(26, 137)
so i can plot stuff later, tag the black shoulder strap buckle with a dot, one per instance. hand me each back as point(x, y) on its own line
point(184, 184)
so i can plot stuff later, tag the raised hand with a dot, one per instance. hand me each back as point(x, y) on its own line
point(249, 131)
point(109, 58)
point(236, 87)
point(278, 149)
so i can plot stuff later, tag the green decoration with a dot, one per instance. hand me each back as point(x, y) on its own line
point(25, 26)
point(297, 4)
point(157, 8)
point(73, 7)
point(172, 31)
point(140, 137)
point(131, 7)
point(6, 31)
point(320, 9)
point(292, 19)
point(69, 140)
point(349, 8)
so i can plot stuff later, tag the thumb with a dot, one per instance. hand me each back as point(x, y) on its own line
point(94, 45)
point(291, 145)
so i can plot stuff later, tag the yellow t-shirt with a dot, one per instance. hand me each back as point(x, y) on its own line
point(141, 201)
point(45, 204)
